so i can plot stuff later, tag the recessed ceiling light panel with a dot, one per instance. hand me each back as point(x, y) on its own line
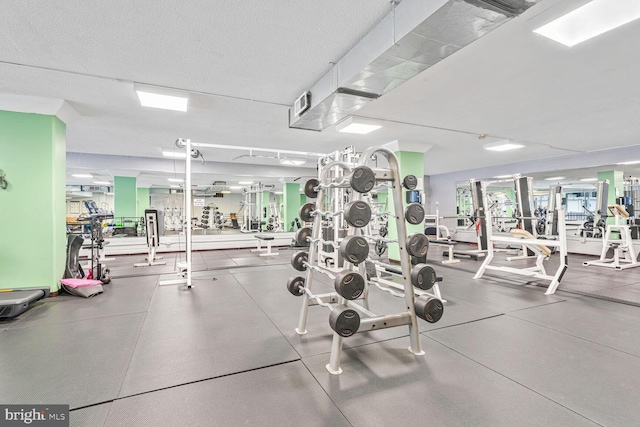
point(504, 145)
point(292, 162)
point(594, 18)
point(589, 179)
point(632, 162)
point(554, 178)
point(356, 125)
point(175, 179)
point(165, 102)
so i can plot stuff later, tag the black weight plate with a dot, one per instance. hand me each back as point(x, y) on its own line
point(344, 321)
point(380, 248)
point(354, 249)
point(306, 211)
point(298, 259)
point(357, 213)
point(349, 284)
point(410, 182)
point(429, 308)
point(423, 276)
point(417, 244)
point(309, 188)
point(362, 179)
point(383, 231)
point(295, 285)
point(301, 236)
point(414, 213)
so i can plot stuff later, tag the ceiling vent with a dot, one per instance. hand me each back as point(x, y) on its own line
point(416, 35)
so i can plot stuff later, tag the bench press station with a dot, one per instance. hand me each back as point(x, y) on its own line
point(539, 247)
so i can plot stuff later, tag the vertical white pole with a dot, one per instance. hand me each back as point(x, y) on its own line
point(187, 198)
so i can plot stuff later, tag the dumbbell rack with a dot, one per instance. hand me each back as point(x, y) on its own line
point(347, 316)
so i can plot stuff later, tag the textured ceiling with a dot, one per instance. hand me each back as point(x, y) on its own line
point(250, 59)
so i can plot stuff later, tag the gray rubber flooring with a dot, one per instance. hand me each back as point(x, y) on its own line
point(225, 353)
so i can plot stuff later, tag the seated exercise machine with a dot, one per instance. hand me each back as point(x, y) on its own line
point(152, 221)
point(624, 253)
point(540, 249)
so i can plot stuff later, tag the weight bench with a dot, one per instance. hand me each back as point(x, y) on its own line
point(267, 239)
point(449, 253)
point(16, 301)
point(541, 250)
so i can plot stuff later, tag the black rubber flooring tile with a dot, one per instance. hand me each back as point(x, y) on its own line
point(192, 334)
point(92, 416)
point(121, 296)
point(248, 261)
point(223, 262)
point(283, 395)
point(630, 294)
point(598, 382)
point(614, 326)
point(383, 384)
point(497, 294)
point(77, 363)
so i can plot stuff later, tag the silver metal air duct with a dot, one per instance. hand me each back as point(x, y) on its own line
point(415, 35)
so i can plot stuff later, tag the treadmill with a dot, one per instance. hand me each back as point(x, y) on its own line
point(17, 301)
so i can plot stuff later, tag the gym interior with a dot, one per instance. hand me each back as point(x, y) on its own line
point(363, 213)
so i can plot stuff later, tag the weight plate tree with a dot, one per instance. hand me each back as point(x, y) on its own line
point(337, 245)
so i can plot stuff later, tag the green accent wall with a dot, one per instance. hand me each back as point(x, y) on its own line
point(33, 207)
point(616, 188)
point(144, 201)
point(265, 204)
point(410, 163)
point(124, 197)
point(291, 199)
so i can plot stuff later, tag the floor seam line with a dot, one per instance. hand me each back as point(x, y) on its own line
point(516, 382)
point(575, 336)
point(325, 392)
point(133, 351)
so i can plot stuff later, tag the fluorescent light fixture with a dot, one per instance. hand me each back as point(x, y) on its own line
point(554, 178)
point(503, 145)
point(177, 154)
point(589, 179)
point(176, 186)
point(594, 18)
point(278, 192)
point(175, 179)
point(82, 175)
point(351, 125)
point(235, 187)
point(225, 192)
point(245, 182)
point(102, 182)
point(503, 176)
point(293, 162)
point(632, 162)
point(165, 102)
